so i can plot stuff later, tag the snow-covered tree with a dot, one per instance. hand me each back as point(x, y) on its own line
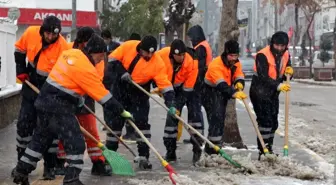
point(177, 13)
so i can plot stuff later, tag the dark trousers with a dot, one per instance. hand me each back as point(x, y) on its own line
point(66, 127)
point(26, 125)
point(137, 103)
point(267, 110)
point(214, 104)
point(194, 119)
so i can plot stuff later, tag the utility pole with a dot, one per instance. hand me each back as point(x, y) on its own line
point(275, 15)
point(206, 17)
point(74, 20)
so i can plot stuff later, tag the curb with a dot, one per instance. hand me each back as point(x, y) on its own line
point(315, 83)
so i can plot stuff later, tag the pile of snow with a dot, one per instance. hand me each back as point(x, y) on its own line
point(306, 135)
point(282, 166)
point(220, 172)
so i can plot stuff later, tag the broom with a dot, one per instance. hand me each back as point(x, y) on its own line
point(118, 163)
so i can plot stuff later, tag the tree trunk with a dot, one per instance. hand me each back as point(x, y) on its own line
point(229, 30)
point(275, 16)
point(169, 37)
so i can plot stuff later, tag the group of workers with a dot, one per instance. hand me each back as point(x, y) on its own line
point(96, 69)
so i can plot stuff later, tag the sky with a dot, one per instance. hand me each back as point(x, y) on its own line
point(84, 5)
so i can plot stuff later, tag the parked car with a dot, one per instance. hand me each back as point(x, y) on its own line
point(247, 64)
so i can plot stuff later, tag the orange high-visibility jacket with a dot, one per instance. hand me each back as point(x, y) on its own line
point(186, 75)
point(208, 51)
point(272, 71)
point(218, 72)
point(77, 76)
point(30, 43)
point(144, 71)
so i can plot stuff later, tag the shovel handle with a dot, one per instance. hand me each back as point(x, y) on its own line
point(85, 132)
point(110, 130)
point(255, 125)
point(145, 140)
point(32, 86)
point(286, 112)
point(177, 117)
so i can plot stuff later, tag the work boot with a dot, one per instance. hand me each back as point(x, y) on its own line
point(144, 164)
point(196, 156)
point(49, 173)
point(270, 149)
point(59, 167)
point(99, 168)
point(171, 156)
point(76, 182)
point(20, 178)
point(209, 150)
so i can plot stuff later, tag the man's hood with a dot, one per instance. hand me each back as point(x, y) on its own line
point(196, 34)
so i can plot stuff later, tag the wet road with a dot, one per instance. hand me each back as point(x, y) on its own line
point(319, 117)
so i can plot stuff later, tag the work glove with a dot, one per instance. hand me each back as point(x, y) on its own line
point(22, 77)
point(127, 115)
point(239, 95)
point(239, 86)
point(289, 71)
point(126, 77)
point(283, 87)
point(173, 111)
point(157, 91)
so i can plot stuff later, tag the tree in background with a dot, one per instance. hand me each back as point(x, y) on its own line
point(229, 30)
point(177, 13)
point(140, 16)
point(325, 47)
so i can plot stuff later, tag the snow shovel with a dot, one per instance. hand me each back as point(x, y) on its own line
point(215, 147)
point(119, 164)
point(285, 149)
point(164, 163)
point(255, 125)
point(110, 130)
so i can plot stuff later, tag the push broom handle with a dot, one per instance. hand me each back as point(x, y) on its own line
point(87, 108)
point(177, 117)
point(145, 139)
point(286, 112)
point(254, 123)
point(85, 132)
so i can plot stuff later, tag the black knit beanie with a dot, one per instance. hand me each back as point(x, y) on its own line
point(51, 24)
point(177, 47)
point(96, 44)
point(148, 43)
point(231, 47)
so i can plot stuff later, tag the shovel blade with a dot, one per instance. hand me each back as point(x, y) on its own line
point(119, 164)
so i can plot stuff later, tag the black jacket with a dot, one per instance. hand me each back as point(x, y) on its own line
point(262, 85)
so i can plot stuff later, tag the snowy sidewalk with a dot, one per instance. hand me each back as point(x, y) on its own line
point(313, 82)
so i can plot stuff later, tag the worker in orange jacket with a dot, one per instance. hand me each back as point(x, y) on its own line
point(41, 45)
point(137, 61)
point(86, 119)
point(204, 56)
point(73, 76)
point(272, 63)
point(182, 71)
point(224, 80)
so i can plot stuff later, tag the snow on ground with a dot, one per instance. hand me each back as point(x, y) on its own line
point(220, 172)
point(312, 81)
point(307, 135)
